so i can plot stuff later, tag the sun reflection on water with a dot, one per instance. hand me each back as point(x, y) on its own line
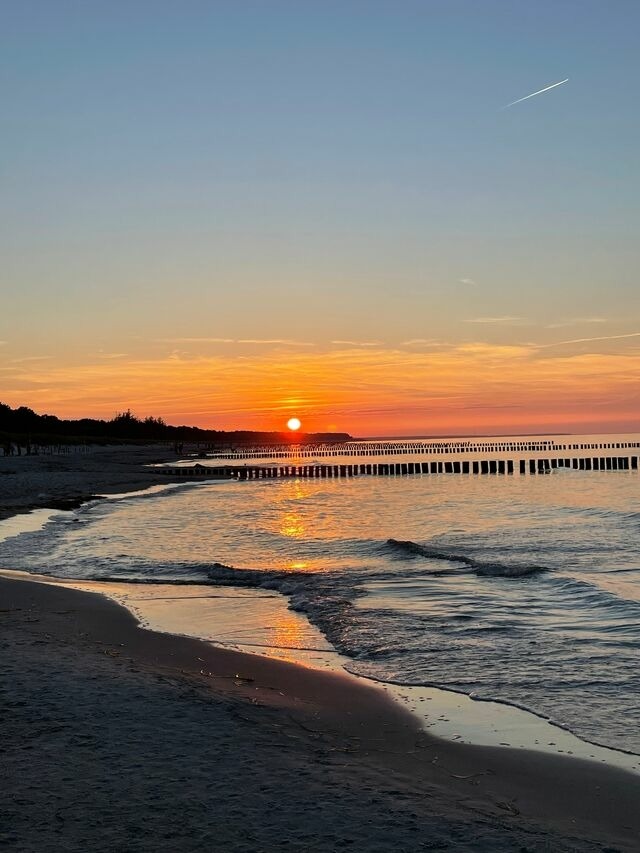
point(292, 525)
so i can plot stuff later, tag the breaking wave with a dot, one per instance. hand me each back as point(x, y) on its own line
point(485, 569)
point(560, 635)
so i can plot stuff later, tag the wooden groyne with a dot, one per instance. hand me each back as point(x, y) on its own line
point(588, 463)
point(355, 449)
point(541, 465)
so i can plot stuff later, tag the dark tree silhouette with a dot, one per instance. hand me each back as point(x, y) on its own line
point(22, 427)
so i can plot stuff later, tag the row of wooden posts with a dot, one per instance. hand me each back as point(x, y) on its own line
point(389, 448)
point(395, 469)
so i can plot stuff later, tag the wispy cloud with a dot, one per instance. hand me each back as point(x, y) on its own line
point(275, 341)
point(252, 341)
point(506, 406)
point(27, 358)
point(498, 321)
point(371, 388)
point(113, 354)
point(577, 321)
point(591, 340)
point(423, 342)
point(470, 281)
point(358, 343)
point(196, 340)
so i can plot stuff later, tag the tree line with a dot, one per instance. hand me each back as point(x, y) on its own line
point(25, 428)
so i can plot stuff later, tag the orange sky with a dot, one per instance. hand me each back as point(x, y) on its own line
point(415, 388)
point(228, 219)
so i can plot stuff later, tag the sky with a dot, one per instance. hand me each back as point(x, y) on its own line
point(229, 213)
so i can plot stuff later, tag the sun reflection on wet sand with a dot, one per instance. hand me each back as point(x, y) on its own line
point(288, 634)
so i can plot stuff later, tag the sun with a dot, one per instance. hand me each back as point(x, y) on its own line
point(294, 424)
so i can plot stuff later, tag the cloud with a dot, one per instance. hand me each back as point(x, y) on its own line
point(467, 281)
point(498, 321)
point(373, 390)
point(590, 340)
point(577, 321)
point(28, 358)
point(358, 343)
point(275, 341)
point(252, 341)
point(196, 340)
point(423, 342)
point(506, 406)
point(113, 354)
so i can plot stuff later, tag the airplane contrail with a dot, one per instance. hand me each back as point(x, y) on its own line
point(533, 94)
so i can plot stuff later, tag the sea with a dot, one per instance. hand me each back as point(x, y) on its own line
point(520, 588)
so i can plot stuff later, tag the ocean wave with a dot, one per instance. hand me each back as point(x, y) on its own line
point(479, 567)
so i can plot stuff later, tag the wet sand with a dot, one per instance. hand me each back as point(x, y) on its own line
point(66, 481)
point(118, 738)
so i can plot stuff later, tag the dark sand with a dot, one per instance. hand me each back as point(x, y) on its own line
point(114, 738)
point(66, 481)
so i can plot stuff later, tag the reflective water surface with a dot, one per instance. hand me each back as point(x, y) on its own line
point(523, 589)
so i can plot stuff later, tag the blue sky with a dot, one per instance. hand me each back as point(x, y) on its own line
point(318, 172)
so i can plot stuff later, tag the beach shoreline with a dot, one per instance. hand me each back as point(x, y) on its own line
point(471, 797)
point(488, 798)
point(66, 481)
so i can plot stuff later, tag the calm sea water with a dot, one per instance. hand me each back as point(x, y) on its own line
point(524, 589)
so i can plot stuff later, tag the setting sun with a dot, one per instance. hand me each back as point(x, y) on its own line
point(294, 424)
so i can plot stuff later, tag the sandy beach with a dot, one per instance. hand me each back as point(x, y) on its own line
point(114, 737)
point(119, 738)
point(65, 481)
